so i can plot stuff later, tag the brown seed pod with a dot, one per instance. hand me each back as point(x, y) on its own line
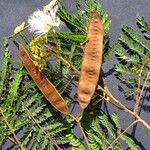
point(92, 61)
point(45, 86)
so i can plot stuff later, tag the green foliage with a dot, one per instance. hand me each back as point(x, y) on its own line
point(132, 51)
point(75, 142)
point(29, 113)
point(24, 107)
point(144, 26)
point(103, 131)
point(5, 65)
point(80, 20)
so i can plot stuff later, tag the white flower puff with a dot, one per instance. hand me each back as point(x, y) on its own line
point(41, 23)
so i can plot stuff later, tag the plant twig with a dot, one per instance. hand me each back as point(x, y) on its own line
point(12, 35)
point(140, 95)
point(77, 119)
point(12, 140)
point(139, 112)
point(119, 136)
point(135, 108)
point(83, 133)
point(12, 131)
point(117, 102)
point(139, 92)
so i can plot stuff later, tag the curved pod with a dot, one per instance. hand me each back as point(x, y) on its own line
point(45, 86)
point(92, 60)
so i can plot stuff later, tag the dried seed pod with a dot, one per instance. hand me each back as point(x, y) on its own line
point(45, 86)
point(92, 61)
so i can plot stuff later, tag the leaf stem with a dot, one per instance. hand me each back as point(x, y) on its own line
point(12, 140)
point(119, 136)
point(12, 35)
point(12, 131)
point(77, 119)
point(83, 133)
point(117, 102)
point(139, 92)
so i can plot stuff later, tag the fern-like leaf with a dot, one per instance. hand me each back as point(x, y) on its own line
point(144, 25)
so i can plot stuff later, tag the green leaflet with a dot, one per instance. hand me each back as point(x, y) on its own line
point(124, 69)
point(5, 63)
point(75, 142)
point(136, 37)
point(15, 84)
point(95, 141)
point(115, 118)
point(73, 21)
point(70, 37)
point(102, 132)
point(145, 26)
point(133, 53)
point(110, 51)
point(134, 46)
point(130, 142)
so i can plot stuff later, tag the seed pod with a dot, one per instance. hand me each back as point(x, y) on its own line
point(45, 86)
point(92, 61)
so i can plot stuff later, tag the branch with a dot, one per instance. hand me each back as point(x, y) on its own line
point(117, 102)
point(83, 133)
